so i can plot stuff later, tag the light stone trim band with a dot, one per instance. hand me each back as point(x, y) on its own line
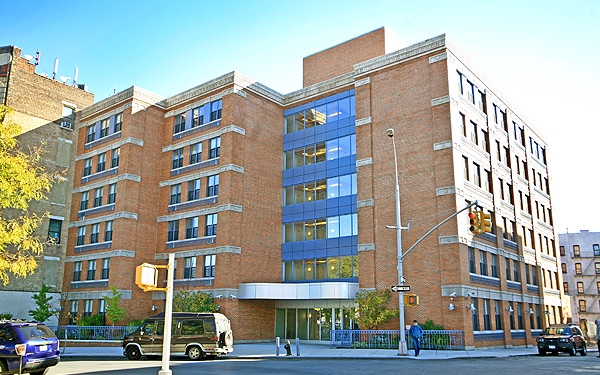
point(204, 137)
point(110, 147)
point(365, 203)
point(101, 219)
point(206, 173)
point(445, 240)
point(362, 162)
point(445, 190)
point(72, 296)
point(439, 57)
point(440, 100)
point(363, 121)
point(366, 247)
point(200, 212)
point(361, 82)
point(112, 180)
point(442, 145)
point(201, 252)
point(105, 254)
point(319, 88)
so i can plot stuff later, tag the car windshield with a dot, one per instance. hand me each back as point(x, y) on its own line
point(557, 331)
point(35, 332)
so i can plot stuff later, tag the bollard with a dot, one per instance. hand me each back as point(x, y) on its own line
point(297, 347)
point(277, 342)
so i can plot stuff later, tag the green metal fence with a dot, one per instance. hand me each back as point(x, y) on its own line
point(389, 339)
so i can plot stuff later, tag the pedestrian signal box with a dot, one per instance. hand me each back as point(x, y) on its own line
point(411, 300)
point(146, 276)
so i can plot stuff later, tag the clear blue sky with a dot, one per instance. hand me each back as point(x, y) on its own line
point(542, 54)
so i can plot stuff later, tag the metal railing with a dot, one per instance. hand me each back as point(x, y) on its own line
point(91, 332)
point(388, 339)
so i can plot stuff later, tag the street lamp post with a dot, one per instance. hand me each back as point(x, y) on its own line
point(402, 348)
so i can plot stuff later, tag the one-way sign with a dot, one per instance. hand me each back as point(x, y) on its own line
point(400, 288)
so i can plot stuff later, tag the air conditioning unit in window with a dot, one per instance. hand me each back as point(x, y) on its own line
point(66, 124)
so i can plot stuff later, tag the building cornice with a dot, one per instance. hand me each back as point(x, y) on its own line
point(132, 93)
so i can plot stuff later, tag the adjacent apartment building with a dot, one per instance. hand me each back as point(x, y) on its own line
point(46, 109)
point(277, 204)
point(580, 254)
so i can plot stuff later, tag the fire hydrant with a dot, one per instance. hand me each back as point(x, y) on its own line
point(288, 348)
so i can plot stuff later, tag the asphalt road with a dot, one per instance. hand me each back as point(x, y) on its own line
point(529, 365)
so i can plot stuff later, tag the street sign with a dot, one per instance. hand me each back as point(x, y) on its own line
point(400, 288)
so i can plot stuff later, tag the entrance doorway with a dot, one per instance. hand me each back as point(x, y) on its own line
point(313, 323)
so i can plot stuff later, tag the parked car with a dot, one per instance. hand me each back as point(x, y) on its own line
point(566, 338)
point(27, 346)
point(196, 335)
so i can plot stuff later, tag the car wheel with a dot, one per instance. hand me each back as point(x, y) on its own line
point(195, 353)
point(133, 353)
point(572, 351)
point(3, 367)
point(541, 352)
point(583, 351)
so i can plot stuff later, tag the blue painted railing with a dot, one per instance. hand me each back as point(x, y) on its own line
point(389, 339)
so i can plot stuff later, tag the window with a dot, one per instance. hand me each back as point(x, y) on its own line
point(191, 227)
point(112, 193)
point(108, 231)
point(474, 316)
point(516, 271)
point(195, 153)
point(576, 251)
point(105, 268)
point(562, 251)
point(98, 197)
point(88, 305)
point(67, 117)
point(487, 324)
point(54, 228)
point(83, 203)
point(476, 174)
point(520, 324)
point(579, 287)
point(193, 190)
point(215, 110)
point(597, 265)
point(511, 315)
point(179, 123)
point(80, 236)
point(466, 168)
point(91, 273)
point(209, 265)
point(211, 225)
point(91, 133)
point(102, 308)
point(73, 311)
point(598, 287)
point(77, 271)
point(104, 126)
point(563, 267)
point(494, 265)
point(175, 194)
point(177, 159)
point(212, 187)
point(95, 234)
point(533, 275)
point(463, 125)
point(115, 155)
point(578, 269)
point(474, 134)
point(87, 167)
point(582, 305)
point(471, 260)
point(566, 287)
point(596, 248)
point(215, 148)
point(118, 122)
point(101, 162)
point(197, 116)
point(498, 310)
point(507, 268)
point(482, 262)
point(189, 267)
point(173, 230)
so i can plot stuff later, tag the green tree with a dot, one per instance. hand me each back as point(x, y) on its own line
point(43, 310)
point(372, 307)
point(114, 313)
point(22, 181)
point(193, 301)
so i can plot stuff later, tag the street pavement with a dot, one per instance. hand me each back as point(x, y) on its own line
point(321, 350)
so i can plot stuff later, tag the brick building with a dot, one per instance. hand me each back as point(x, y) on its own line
point(580, 255)
point(302, 185)
point(46, 109)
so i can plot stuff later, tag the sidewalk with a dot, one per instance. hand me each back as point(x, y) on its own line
point(322, 350)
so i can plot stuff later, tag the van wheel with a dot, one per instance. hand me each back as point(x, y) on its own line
point(133, 353)
point(3, 367)
point(195, 353)
point(572, 351)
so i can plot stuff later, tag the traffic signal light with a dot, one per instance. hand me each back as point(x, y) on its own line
point(475, 222)
point(411, 300)
point(485, 222)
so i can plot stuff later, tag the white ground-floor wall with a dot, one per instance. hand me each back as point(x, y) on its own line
point(19, 303)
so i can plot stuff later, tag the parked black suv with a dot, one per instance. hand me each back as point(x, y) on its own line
point(27, 346)
point(566, 338)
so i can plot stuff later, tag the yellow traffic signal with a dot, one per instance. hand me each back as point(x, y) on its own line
point(475, 222)
point(411, 300)
point(485, 222)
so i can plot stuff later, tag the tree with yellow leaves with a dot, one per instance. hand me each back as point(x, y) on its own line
point(22, 181)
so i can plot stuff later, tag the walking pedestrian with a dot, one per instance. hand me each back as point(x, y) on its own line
point(416, 332)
